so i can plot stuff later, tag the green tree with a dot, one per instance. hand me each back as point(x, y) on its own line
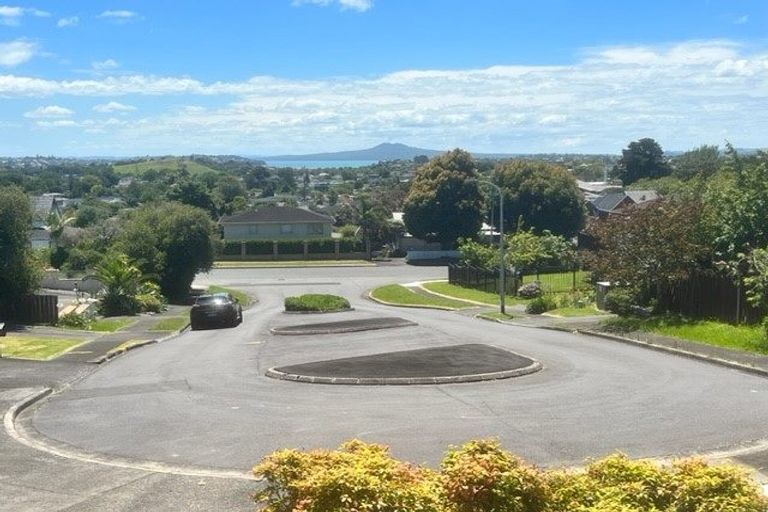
point(193, 193)
point(20, 271)
point(171, 241)
point(227, 189)
point(703, 161)
point(541, 195)
point(653, 243)
point(642, 159)
point(737, 206)
point(122, 280)
point(444, 203)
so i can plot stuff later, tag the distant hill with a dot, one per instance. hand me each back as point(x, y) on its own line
point(386, 151)
point(164, 164)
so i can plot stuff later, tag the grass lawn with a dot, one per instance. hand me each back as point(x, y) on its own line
point(111, 324)
point(241, 297)
point(29, 347)
point(400, 295)
point(461, 293)
point(748, 338)
point(574, 312)
point(496, 315)
point(561, 281)
point(292, 263)
point(171, 164)
point(173, 323)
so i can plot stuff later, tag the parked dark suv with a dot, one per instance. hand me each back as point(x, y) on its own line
point(217, 308)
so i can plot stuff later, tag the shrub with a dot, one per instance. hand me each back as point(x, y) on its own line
point(290, 247)
point(150, 298)
point(530, 290)
point(74, 321)
point(620, 301)
point(541, 305)
point(260, 247)
point(231, 248)
point(351, 245)
point(480, 476)
point(358, 476)
point(765, 329)
point(326, 246)
point(316, 302)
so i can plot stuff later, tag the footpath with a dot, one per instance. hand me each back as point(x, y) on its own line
point(34, 481)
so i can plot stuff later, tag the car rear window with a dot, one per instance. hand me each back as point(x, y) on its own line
point(211, 299)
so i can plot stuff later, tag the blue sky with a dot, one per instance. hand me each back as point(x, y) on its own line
point(289, 76)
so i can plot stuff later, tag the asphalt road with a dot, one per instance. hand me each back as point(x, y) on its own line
point(202, 399)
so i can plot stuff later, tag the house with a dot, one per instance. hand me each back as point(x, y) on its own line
point(616, 202)
point(44, 208)
point(277, 223)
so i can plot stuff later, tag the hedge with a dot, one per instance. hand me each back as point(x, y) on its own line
point(253, 247)
point(351, 245)
point(316, 302)
point(481, 477)
point(326, 246)
point(231, 248)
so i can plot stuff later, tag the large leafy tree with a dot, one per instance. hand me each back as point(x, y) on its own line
point(737, 205)
point(444, 203)
point(540, 196)
point(170, 241)
point(653, 243)
point(643, 158)
point(19, 269)
point(703, 162)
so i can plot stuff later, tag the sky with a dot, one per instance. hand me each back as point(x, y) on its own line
point(266, 77)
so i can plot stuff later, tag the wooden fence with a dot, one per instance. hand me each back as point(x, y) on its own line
point(709, 294)
point(33, 309)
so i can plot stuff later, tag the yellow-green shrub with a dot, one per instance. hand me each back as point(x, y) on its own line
point(358, 476)
point(480, 477)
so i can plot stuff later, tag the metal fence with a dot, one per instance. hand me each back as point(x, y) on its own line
point(552, 279)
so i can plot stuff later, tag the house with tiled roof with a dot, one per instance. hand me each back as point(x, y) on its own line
point(277, 223)
point(615, 202)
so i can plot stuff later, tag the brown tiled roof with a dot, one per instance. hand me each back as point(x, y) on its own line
point(276, 214)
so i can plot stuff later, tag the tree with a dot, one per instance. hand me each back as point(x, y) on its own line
point(737, 206)
point(227, 189)
point(703, 161)
point(654, 243)
point(122, 280)
point(642, 159)
point(444, 203)
point(19, 270)
point(171, 241)
point(193, 193)
point(541, 195)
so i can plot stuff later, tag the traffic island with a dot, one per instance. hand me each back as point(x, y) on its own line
point(365, 324)
point(440, 365)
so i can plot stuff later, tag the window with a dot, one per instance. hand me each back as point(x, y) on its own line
point(286, 229)
point(315, 229)
point(253, 229)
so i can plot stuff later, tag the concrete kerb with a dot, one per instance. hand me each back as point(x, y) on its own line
point(535, 366)
point(115, 353)
point(287, 331)
point(342, 310)
point(20, 434)
point(684, 353)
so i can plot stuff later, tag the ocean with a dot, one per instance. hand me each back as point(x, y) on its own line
point(319, 164)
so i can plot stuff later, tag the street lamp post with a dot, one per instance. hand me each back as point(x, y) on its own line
point(502, 266)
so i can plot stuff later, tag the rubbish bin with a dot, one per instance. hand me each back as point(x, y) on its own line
point(600, 293)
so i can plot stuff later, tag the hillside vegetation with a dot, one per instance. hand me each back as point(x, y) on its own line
point(165, 164)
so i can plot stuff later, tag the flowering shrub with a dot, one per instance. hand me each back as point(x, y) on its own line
point(530, 290)
point(481, 477)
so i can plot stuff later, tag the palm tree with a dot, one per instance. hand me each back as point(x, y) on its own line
point(122, 281)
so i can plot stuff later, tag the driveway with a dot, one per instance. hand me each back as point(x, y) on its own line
point(202, 399)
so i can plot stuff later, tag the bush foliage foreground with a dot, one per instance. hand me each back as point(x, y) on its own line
point(481, 477)
point(317, 302)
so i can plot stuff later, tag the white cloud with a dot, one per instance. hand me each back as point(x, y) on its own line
point(683, 95)
point(70, 21)
point(13, 53)
point(741, 20)
point(57, 123)
point(49, 111)
point(105, 65)
point(11, 15)
point(113, 106)
point(355, 5)
point(121, 16)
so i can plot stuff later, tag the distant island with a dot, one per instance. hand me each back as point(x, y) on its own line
point(385, 151)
